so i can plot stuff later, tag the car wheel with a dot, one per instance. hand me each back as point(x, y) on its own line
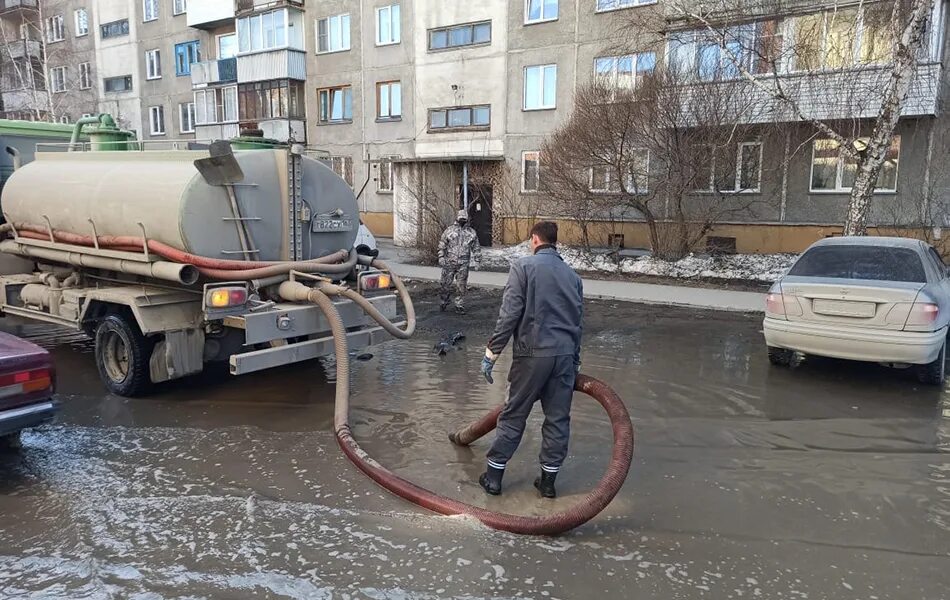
point(122, 356)
point(780, 357)
point(936, 372)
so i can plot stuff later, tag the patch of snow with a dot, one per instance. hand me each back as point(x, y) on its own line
point(738, 267)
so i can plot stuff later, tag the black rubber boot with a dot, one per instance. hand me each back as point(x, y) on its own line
point(490, 480)
point(545, 484)
point(460, 310)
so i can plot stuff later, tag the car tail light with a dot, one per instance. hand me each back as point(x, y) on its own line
point(923, 314)
point(775, 304)
point(780, 304)
point(375, 281)
point(226, 297)
point(24, 382)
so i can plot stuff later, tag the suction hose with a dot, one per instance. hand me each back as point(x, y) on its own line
point(552, 524)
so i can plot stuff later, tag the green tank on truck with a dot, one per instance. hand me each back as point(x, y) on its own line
point(172, 259)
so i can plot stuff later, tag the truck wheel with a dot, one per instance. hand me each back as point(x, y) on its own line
point(936, 372)
point(122, 356)
point(780, 357)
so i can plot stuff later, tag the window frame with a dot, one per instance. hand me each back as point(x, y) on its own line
point(542, 19)
point(85, 14)
point(449, 28)
point(85, 75)
point(123, 31)
point(217, 44)
point(183, 109)
point(630, 177)
point(839, 171)
point(342, 165)
point(185, 49)
point(524, 172)
point(388, 161)
point(390, 117)
point(711, 188)
point(153, 130)
point(155, 10)
point(244, 24)
point(621, 5)
point(157, 74)
point(175, 5)
point(116, 78)
point(345, 33)
point(55, 25)
point(393, 39)
point(449, 128)
point(541, 80)
point(635, 73)
point(344, 89)
point(52, 79)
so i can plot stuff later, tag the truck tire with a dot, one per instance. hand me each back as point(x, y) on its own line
point(936, 372)
point(122, 356)
point(780, 357)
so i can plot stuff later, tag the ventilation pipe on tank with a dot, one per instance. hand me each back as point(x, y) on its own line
point(77, 128)
point(17, 161)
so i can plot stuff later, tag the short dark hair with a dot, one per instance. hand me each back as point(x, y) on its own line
point(546, 231)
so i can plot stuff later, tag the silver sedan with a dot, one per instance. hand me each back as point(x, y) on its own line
point(876, 299)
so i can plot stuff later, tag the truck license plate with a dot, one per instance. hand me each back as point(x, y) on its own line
point(843, 308)
point(329, 225)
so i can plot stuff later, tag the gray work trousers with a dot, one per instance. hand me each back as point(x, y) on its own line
point(549, 379)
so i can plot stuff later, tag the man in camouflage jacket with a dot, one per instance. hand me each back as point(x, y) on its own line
point(458, 248)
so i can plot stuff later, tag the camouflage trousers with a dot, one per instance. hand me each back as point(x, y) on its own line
point(457, 274)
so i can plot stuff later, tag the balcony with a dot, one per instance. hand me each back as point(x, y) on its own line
point(211, 72)
point(207, 14)
point(245, 7)
point(13, 6)
point(224, 131)
point(24, 100)
point(23, 49)
point(274, 64)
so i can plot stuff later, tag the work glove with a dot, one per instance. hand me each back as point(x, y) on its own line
point(488, 363)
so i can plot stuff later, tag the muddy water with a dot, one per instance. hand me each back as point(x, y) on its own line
point(828, 481)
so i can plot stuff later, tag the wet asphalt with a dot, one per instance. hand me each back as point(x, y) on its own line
point(830, 480)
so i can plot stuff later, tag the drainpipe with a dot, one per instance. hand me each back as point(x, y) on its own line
point(77, 128)
point(465, 184)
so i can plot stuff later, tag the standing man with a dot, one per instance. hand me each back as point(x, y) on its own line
point(458, 248)
point(542, 307)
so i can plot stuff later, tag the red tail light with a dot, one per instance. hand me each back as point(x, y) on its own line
point(24, 382)
point(923, 314)
point(775, 304)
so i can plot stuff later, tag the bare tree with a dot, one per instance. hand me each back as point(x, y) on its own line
point(513, 214)
point(846, 70)
point(677, 161)
point(428, 204)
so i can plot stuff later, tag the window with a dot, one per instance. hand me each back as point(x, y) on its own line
point(185, 55)
point(530, 171)
point(149, 10)
point(540, 85)
point(64, 119)
point(114, 29)
point(57, 79)
point(82, 22)
point(538, 11)
point(153, 64)
point(336, 104)
point(471, 34)
point(732, 168)
point(387, 25)
point(384, 183)
point(186, 117)
point(55, 30)
point(179, 7)
point(624, 71)
point(343, 166)
point(603, 5)
point(156, 120)
point(389, 100)
point(833, 171)
point(605, 180)
point(25, 31)
point(117, 84)
point(841, 38)
point(216, 106)
point(860, 261)
point(753, 47)
point(227, 45)
point(85, 76)
point(460, 117)
point(333, 34)
point(279, 99)
point(262, 32)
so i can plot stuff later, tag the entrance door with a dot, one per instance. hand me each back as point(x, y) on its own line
point(479, 211)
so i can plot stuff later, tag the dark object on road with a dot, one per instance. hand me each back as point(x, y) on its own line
point(456, 337)
point(364, 356)
point(441, 348)
point(448, 343)
point(26, 386)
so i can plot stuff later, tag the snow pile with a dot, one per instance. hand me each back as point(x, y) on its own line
point(737, 267)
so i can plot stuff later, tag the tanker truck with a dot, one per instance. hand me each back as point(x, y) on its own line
point(172, 259)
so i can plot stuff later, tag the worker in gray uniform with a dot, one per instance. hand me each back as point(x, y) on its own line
point(541, 308)
point(458, 249)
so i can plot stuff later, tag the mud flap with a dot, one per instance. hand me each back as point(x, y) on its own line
point(180, 353)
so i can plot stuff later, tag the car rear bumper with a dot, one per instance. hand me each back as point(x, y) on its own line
point(30, 415)
point(872, 345)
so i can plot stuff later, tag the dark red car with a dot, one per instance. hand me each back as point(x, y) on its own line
point(26, 386)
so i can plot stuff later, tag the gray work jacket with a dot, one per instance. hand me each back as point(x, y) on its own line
point(542, 308)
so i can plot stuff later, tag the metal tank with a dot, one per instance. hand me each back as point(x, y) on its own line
point(163, 196)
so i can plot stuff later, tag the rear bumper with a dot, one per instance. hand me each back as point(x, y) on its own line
point(872, 345)
point(13, 420)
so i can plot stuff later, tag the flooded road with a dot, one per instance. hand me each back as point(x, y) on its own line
point(828, 481)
